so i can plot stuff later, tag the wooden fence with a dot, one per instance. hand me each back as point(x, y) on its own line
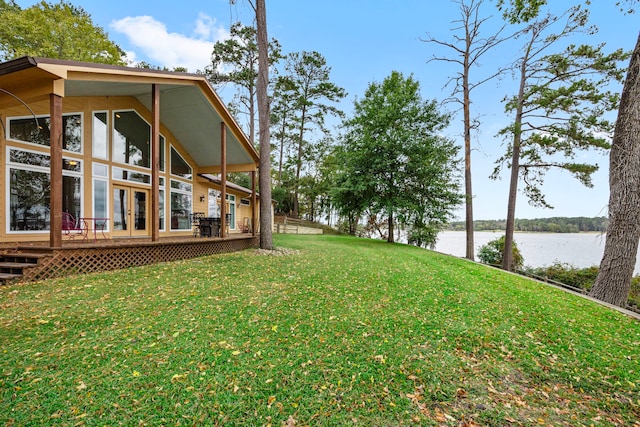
point(284, 225)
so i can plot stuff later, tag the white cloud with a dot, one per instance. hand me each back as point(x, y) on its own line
point(155, 44)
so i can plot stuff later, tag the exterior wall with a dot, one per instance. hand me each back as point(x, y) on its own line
point(86, 106)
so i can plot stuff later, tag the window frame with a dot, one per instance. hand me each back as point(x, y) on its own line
point(113, 145)
point(46, 116)
point(79, 174)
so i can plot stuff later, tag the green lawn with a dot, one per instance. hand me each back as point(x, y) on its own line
point(347, 331)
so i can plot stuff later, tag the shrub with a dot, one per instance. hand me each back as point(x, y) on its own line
point(582, 278)
point(491, 253)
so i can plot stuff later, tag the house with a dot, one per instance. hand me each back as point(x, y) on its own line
point(128, 153)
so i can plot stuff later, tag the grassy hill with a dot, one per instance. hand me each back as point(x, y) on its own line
point(344, 331)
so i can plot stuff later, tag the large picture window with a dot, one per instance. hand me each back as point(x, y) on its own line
point(179, 167)
point(25, 129)
point(101, 191)
point(30, 190)
point(100, 132)
point(131, 136)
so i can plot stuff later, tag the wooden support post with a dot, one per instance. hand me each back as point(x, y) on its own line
point(155, 163)
point(55, 191)
point(253, 204)
point(223, 180)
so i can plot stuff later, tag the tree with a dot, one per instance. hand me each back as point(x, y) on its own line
point(60, 31)
point(492, 253)
point(235, 60)
point(282, 116)
point(312, 94)
point(395, 162)
point(468, 49)
point(266, 238)
point(623, 232)
point(559, 109)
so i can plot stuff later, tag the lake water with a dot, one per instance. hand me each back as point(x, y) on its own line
point(538, 249)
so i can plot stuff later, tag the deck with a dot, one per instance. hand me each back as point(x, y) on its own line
point(42, 262)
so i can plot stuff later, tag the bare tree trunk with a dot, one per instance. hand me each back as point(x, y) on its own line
point(266, 238)
point(507, 255)
point(470, 251)
point(390, 237)
point(252, 117)
point(623, 232)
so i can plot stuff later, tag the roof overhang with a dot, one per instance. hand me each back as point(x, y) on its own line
point(189, 106)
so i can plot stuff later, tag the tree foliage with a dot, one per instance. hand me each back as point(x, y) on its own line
point(492, 253)
point(546, 225)
point(54, 30)
point(558, 110)
point(307, 84)
point(235, 60)
point(395, 163)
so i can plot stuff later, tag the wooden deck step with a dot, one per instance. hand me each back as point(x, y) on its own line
point(7, 277)
point(15, 265)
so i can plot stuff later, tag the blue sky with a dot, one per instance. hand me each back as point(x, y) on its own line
point(363, 41)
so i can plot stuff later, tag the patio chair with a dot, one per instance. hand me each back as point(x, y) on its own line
point(73, 227)
point(195, 223)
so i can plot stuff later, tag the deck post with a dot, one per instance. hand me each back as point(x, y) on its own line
point(223, 180)
point(155, 162)
point(55, 191)
point(253, 203)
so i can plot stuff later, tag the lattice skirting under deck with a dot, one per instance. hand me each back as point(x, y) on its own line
point(80, 260)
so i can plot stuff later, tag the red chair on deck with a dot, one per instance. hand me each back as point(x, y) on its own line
point(72, 227)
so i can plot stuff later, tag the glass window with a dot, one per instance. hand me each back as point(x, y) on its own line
point(100, 134)
point(100, 199)
point(180, 210)
point(29, 158)
point(100, 170)
point(27, 130)
point(231, 215)
point(131, 136)
point(29, 199)
point(162, 155)
point(182, 186)
point(43, 160)
point(179, 167)
point(214, 207)
point(161, 209)
point(127, 175)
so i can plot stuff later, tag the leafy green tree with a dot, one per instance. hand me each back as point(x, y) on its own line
point(493, 251)
point(235, 60)
point(60, 30)
point(313, 97)
point(396, 164)
point(316, 183)
point(558, 109)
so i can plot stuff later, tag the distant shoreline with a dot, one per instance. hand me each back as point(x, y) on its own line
point(539, 225)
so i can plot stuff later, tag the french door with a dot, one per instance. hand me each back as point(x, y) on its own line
point(130, 211)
